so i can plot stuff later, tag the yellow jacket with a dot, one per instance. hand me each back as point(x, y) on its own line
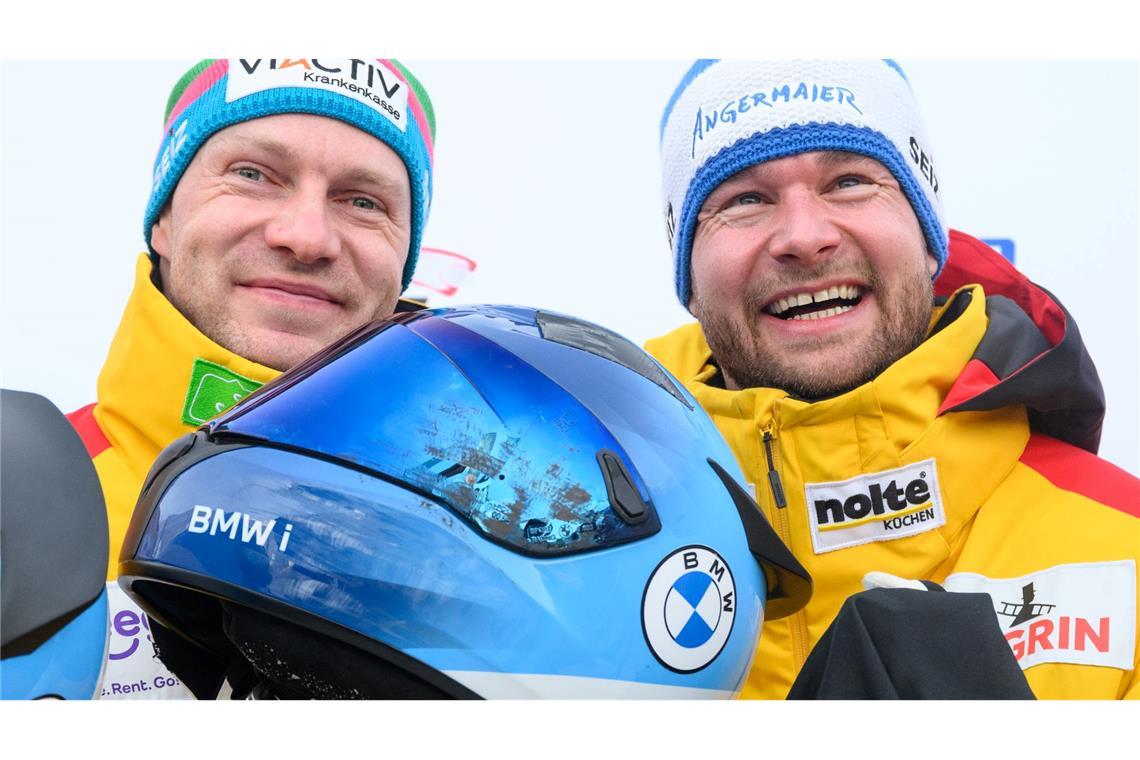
point(957, 464)
point(161, 380)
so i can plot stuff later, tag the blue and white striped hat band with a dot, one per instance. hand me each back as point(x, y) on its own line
point(725, 116)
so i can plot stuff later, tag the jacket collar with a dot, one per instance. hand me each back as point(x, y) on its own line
point(909, 393)
point(894, 420)
point(1032, 354)
point(144, 384)
point(1029, 353)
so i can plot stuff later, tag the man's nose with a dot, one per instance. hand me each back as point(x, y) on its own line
point(803, 229)
point(303, 226)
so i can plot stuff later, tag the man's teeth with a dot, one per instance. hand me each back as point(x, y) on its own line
point(825, 313)
point(846, 292)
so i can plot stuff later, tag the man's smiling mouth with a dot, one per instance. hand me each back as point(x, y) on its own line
point(825, 302)
point(284, 289)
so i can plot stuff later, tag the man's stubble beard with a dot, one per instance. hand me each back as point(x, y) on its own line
point(220, 326)
point(747, 362)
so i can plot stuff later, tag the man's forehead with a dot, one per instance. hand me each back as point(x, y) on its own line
point(823, 159)
point(361, 156)
point(242, 136)
point(288, 134)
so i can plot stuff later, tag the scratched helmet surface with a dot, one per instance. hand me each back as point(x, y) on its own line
point(480, 501)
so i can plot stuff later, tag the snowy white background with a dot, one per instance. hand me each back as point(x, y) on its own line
point(547, 176)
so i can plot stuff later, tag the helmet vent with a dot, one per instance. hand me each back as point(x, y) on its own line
point(624, 498)
point(607, 344)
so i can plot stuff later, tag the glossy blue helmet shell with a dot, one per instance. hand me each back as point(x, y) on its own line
point(508, 502)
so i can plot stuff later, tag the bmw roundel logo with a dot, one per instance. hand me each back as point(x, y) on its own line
point(688, 608)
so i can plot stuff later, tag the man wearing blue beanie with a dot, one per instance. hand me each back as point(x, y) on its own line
point(287, 206)
point(907, 404)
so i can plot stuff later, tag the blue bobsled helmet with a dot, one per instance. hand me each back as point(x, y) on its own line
point(53, 556)
point(484, 501)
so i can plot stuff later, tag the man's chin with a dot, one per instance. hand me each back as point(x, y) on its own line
point(279, 350)
point(819, 386)
point(810, 372)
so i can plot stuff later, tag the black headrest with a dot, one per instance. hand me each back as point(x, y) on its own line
point(53, 523)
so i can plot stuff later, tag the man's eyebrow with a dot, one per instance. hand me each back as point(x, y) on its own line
point(355, 175)
point(272, 147)
point(362, 176)
point(826, 158)
point(833, 157)
point(757, 172)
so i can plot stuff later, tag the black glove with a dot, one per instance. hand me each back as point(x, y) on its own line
point(904, 643)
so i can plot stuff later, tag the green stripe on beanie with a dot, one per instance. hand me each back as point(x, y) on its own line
point(421, 93)
point(181, 84)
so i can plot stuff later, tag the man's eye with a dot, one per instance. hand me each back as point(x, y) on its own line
point(247, 172)
point(364, 203)
point(746, 199)
point(849, 181)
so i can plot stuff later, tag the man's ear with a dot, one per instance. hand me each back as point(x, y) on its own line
point(160, 234)
point(160, 243)
point(692, 290)
point(931, 264)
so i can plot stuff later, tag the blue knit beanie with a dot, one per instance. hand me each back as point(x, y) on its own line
point(380, 97)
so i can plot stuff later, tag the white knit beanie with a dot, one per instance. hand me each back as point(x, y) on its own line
point(725, 116)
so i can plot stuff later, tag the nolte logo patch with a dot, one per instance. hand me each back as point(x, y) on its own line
point(367, 82)
point(688, 608)
point(881, 506)
point(1083, 614)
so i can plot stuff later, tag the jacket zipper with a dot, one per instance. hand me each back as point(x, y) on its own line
point(773, 476)
point(797, 622)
